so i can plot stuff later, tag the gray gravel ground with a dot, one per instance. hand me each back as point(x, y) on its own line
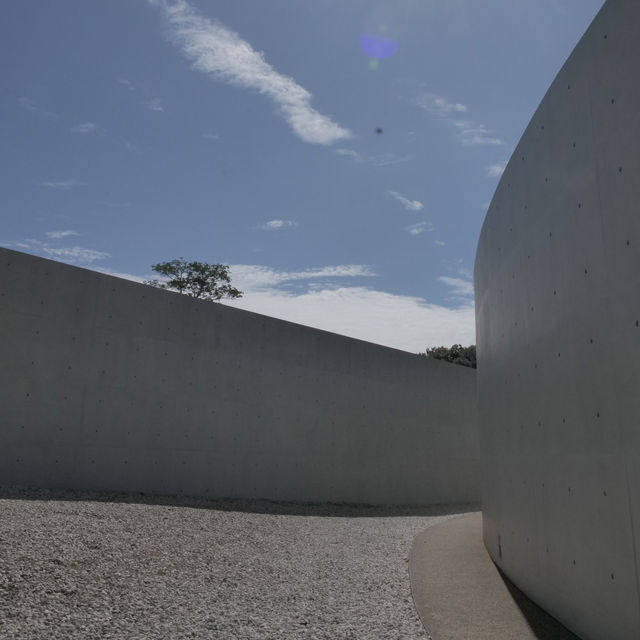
point(110, 566)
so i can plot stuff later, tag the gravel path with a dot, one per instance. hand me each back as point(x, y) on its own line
point(88, 566)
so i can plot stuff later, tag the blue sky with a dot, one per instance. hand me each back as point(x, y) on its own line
point(346, 192)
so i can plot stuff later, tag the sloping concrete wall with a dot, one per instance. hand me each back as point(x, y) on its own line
point(558, 324)
point(111, 385)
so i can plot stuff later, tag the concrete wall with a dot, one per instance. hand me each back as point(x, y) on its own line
point(108, 384)
point(558, 325)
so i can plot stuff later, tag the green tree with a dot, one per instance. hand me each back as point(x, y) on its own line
point(457, 354)
point(195, 279)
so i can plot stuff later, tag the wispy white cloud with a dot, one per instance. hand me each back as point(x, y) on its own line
point(469, 133)
point(379, 160)
point(17, 245)
point(440, 243)
point(438, 105)
point(58, 235)
point(419, 227)
point(387, 159)
point(211, 136)
point(274, 225)
point(75, 255)
point(256, 277)
point(224, 55)
point(28, 104)
point(85, 127)
point(402, 322)
point(477, 134)
point(155, 105)
point(465, 273)
point(348, 152)
point(71, 255)
point(496, 170)
point(33, 107)
point(409, 205)
point(62, 185)
point(459, 287)
point(126, 276)
point(126, 83)
point(130, 146)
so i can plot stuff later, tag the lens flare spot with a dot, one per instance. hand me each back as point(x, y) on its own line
point(374, 63)
point(377, 47)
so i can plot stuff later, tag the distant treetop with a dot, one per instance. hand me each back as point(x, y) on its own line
point(195, 279)
point(457, 354)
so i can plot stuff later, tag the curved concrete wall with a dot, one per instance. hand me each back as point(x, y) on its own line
point(108, 384)
point(558, 325)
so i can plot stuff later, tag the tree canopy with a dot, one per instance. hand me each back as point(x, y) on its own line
point(456, 354)
point(195, 279)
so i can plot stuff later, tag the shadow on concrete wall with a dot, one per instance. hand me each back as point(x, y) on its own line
point(543, 626)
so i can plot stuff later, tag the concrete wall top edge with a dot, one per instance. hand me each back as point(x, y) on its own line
point(223, 309)
point(534, 123)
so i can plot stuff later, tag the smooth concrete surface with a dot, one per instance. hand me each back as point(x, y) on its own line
point(557, 283)
point(461, 595)
point(106, 384)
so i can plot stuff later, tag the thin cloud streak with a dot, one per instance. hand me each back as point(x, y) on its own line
point(469, 133)
point(381, 160)
point(348, 152)
point(474, 135)
point(225, 56)
point(125, 276)
point(126, 83)
point(132, 147)
point(274, 225)
point(438, 105)
point(460, 287)
point(155, 105)
point(79, 255)
point(85, 127)
point(28, 104)
point(62, 185)
point(496, 170)
point(409, 205)
point(70, 255)
point(419, 227)
point(58, 235)
point(253, 277)
point(32, 107)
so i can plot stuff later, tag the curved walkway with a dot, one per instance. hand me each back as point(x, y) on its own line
point(460, 594)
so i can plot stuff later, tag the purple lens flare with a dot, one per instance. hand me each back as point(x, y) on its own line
point(377, 47)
